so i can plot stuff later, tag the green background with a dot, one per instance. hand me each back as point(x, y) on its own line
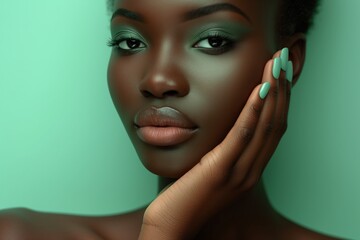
point(63, 148)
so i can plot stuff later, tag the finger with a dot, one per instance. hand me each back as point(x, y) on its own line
point(280, 122)
point(211, 172)
point(264, 129)
point(197, 183)
point(223, 156)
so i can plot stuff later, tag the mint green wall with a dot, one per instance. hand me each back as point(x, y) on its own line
point(314, 176)
point(62, 145)
point(63, 149)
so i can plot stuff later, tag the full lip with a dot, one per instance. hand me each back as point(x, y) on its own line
point(163, 126)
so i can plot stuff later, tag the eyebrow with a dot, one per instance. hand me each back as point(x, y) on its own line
point(203, 11)
point(193, 14)
point(128, 14)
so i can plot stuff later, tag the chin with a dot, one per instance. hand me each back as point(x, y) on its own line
point(176, 159)
point(171, 162)
point(167, 171)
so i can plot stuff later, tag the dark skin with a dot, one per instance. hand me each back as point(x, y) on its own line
point(210, 179)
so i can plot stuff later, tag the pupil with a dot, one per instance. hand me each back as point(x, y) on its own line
point(132, 43)
point(215, 42)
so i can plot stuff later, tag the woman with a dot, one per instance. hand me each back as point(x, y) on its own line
point(203, 92)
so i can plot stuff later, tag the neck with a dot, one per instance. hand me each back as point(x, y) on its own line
point(256, 196)
point(251, 211)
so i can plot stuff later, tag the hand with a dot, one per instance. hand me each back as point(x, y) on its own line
point(229, 170)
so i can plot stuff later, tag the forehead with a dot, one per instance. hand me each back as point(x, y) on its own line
point(258, 11)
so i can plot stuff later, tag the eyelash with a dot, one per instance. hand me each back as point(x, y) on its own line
point(211, 51)
point(112, 42)
point(229, 43)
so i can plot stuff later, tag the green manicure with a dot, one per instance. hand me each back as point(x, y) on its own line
point(276, 68)
point(284, 56)
point(264, 90)
point(289, 71)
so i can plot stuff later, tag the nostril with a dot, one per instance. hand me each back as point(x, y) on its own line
point(170, 93)
point(146, 93)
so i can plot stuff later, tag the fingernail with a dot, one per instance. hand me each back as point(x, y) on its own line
point(284, 56)
point(276, 68)
point(289, 71)
point(264, 90)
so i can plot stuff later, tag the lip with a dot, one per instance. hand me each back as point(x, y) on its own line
point(164, 126)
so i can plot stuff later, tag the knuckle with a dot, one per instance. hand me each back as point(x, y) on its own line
point(238, 180)
point(268, 128)
point(155, 219)
point(251, 182)
point(209, 165)
point(282, 127)
point(151, 215)
point(153, 227)
point(255, 109)
point(246, 134)
point(274, 92)
point(213, 169)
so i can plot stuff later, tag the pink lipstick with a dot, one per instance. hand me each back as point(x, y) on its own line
point(163, 126)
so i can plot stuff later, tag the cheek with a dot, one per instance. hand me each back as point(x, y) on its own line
point(219, 88)
point(224, 83)
point(123, 83)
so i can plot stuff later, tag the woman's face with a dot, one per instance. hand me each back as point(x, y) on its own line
point(182, 71)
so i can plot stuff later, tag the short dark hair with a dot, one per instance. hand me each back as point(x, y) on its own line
point(295, 15)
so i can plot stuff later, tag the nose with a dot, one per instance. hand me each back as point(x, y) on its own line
point(164, 82)
point(164, 77)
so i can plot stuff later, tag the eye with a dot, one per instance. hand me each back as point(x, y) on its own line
point(127, 45)
point(212, 42)
point(215, 43)
point(130, 44)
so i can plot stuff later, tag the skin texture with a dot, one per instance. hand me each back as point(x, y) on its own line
point(211, 90)
point(193, 83)
point(215, 191)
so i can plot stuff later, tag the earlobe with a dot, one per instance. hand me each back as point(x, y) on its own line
point(297, 52)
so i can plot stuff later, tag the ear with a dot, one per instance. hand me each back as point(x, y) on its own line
point(297, 51)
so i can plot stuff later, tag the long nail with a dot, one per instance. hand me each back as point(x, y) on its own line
point(276, 68)
point(264, 90)
point(284, 56)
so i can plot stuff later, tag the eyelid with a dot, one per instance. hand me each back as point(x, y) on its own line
point(213, 32)
point(233, 29)
point(217, 34)
point(127, 34)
